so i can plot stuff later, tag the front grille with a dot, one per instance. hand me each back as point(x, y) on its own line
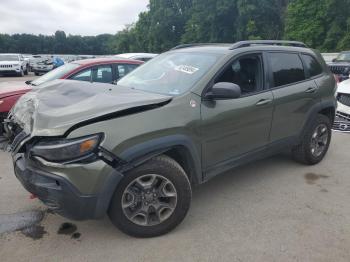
point(342, 117)
point(341, 126)
point(18, 139)
point(344, 99)
point(338, 70)
point(342, 122)
point(5, 66)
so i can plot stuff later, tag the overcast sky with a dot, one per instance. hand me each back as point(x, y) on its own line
point(83, 17)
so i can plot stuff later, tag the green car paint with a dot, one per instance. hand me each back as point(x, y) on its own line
point(211, 136)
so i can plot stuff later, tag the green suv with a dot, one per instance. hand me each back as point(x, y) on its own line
point(135, 150)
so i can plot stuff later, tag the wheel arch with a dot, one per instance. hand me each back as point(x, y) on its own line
point(179, 147)
point(327, 108)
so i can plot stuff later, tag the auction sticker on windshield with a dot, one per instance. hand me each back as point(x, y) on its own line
point(186, 69)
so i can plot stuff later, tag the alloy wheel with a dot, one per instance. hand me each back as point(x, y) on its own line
point(149, 200)
point(319, 140)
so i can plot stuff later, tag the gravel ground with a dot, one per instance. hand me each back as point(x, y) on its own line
point(271, 210)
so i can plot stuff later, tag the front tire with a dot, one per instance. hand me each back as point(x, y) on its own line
point(152, 199)
point(21, 73)
point(315, 143)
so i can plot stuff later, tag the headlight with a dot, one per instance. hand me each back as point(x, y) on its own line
point(67, 150)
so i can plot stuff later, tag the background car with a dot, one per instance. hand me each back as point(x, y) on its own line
point(342, 119)
point(138, 56)
point(340, 66)
point(102, 70)
point(13, 64)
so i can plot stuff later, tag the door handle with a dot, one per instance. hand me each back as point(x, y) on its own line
point(263, 102)
point(311, 90)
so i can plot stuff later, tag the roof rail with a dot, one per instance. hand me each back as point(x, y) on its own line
point(267, 42)
point(194, 45)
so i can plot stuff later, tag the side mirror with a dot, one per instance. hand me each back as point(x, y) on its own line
point(224, 90)
point(28, 82)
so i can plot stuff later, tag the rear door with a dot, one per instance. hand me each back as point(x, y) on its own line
point(294, 92)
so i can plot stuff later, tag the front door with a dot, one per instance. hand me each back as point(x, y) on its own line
point(233, 128)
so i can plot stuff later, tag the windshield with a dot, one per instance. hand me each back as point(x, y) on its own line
point(344, 57)
point(55, 74)
point(9, 58)
point(170, 73)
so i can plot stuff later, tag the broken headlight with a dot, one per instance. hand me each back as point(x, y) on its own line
point(67, 150)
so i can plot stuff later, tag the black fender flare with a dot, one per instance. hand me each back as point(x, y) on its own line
point(316, 109)
point(140, 153)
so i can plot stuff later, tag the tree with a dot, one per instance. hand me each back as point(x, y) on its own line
point(322, 24)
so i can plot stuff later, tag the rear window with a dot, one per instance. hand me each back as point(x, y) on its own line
point(286, 68)
point(312, 66)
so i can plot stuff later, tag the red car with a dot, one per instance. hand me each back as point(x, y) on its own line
point(102, 70)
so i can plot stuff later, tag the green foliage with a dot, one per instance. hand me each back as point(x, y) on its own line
point(168, 23)
point(322, 24)
point(58, 44)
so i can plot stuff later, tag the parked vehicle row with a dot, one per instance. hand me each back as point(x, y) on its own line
point(135, 150)
point(41, 63)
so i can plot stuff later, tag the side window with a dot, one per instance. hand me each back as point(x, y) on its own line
point(83, 75)
point(286, 68)
point(312, 66)
point(102, 74)
point(123, 70)
point(247, 72)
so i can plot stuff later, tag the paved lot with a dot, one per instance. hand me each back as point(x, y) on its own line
point(273, 210)
point(30, 76)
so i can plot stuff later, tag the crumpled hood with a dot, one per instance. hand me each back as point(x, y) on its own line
point(61, 104)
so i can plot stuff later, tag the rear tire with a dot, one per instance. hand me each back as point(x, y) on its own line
point(315, 143)
point(138, 212)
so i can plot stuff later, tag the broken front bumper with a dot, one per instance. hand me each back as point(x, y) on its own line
point(59, 194)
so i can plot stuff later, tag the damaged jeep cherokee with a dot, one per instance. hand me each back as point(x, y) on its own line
point(135, 150)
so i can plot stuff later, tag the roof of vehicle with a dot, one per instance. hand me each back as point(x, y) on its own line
point(130, 55)
point(9, 54)
point(224, 48)
point(107, 60)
